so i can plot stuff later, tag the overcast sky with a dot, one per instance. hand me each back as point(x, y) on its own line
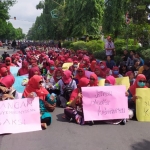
point(25, 11)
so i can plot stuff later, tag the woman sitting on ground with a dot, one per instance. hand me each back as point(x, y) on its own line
point(47, 102)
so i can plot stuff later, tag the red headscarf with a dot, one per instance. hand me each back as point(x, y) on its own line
point(51, 63)
point(9, 59)
point(83, 82)
point(111, 80)
point(55, 73)
point(4, 71)
point(33, 70)
point(24, 70)
point(8, 81)
point(83, 74)
point(33, 85)
point(105, 70)
point(95, 83)
point(133, 87)
point(100, 71)
point(129, 73)
point(93, 65)
point(67, 77)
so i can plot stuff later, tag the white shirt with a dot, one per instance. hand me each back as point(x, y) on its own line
point(109, 45)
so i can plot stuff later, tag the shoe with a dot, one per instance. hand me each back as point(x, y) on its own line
point(44, 126)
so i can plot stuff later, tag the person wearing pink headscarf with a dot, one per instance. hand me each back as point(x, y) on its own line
point(105, 71)
point(63, 84)
point(8, 62)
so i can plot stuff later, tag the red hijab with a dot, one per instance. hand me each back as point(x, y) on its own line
point(33, 70)
point(100, 74)
point(8, 81)
point(93, 65)
point(133, 87)
point(67, 77)
point(33, 85)
point(94, 76)
point(9, 59)
point(83, 74)
point(4, 71)
point(55, 73)
point(104, 70)
point(111, 80)
point(24, 70)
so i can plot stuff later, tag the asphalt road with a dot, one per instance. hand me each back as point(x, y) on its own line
point(62, 135)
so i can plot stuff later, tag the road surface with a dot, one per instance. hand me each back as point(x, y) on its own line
point(62, 135)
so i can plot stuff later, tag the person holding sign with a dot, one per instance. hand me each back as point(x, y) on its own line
point(93, 80)
point(74, 110)
point(140, 82)
point(47, 101)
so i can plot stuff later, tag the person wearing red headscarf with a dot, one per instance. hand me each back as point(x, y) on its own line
point(105, 71)
point(24, 69)
point(93, 65)
point(47, 101)
point(80, 74)
point(7, 91)
point(140, 82)
point(76, 100)
point(130, 74)
point(34, 71)
point(93, 80)
point(4, 71)
point(51, 68)
point(98, 72)
point(74, 68)
point(8, 62)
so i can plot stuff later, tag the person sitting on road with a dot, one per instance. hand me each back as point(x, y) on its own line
point(47, 101)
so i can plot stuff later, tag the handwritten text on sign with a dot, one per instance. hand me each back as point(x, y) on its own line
point(21, 115)
point(104, 103)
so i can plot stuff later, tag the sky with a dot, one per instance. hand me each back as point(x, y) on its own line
point(25, 12)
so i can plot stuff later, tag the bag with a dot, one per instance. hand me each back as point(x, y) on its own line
point(67, 91)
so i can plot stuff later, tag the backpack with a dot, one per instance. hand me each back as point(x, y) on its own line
point(67, 91)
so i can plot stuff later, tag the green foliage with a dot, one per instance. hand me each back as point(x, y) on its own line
point(146, 54)
point(75, 19)
point(94, 46)
point(100, 55)
point(79, 45)
point(67, 44)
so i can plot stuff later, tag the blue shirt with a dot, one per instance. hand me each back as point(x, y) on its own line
point(110, 64)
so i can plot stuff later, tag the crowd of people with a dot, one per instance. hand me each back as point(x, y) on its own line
point(56, 87)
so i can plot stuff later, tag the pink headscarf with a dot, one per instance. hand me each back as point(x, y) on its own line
point(33, 70)
point(111, 80)
point(8, 81)
point(94, 76)
point(67, 77)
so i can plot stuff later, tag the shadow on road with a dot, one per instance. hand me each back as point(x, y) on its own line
point(144, 145)
point(60, 118)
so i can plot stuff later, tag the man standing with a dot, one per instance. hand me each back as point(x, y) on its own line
point(14, 45)
point(110, 48)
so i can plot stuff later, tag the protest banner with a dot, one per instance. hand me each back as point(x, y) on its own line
point(123, 81)
point(104, 103)
point(14, 70)
point(17, 85)
point(20, 115)
point(143, 104)
point(88, 74)
point(66, 66)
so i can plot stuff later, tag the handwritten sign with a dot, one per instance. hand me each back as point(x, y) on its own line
point(88, 73)
point(143, 104)
point(66, 66)
point(20, 115)
point(14, 70)
point(104, 103)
